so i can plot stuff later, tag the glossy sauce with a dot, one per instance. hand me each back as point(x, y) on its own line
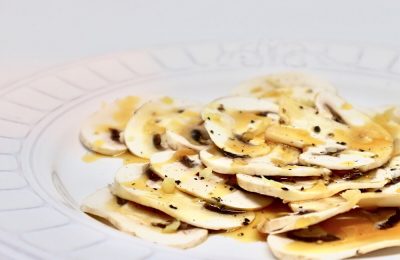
point(126, 157)
point(125, 108)
point(250, 233)
point(291, 136)
point(238, 147)
point(172, 119)
point(242, 125)
point(355, 228)
point(216, 186)
point(389, 121)
point(369, 137)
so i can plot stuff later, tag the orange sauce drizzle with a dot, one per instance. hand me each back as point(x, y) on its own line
point(354, 228)
point(250, 233)
point(126, 157)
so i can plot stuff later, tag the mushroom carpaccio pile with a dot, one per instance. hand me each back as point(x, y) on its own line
point(284, 158)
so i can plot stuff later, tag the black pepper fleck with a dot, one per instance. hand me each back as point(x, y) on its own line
point(317, 129)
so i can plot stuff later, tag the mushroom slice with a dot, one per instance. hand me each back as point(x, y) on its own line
point(102, 132)
point(389, 195)
point(307, 213)
point(353, 233)
point(145, 131)
point(133, 184)
point(390, 120)
point(349, 140)
point(176, 141)
point(141, 222)
point(237, 124)
point(190, 176)
point(280, 161)
point(364, 138)
point(298, 85)
point(309, 189)
point(339, 159)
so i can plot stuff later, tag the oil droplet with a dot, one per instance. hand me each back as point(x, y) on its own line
point(347, 106)
point(92, 157)
point(167, 100)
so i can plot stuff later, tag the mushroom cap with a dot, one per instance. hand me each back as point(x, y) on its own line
point(307, 213)
point(309, 189)
point(236, 124)
point(280, 161)
point(101, 132)
point(210, 186)
point(132, 184)
point(280, 247)
point(145, 131)
point(339, 138)
point(140, 221)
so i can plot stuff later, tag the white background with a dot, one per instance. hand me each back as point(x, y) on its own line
point(36, 34)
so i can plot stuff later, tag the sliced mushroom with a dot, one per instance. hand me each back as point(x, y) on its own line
point(298, 85)
point(131, 184)
point(176, 142)
point(311, 212)
point(313, 234)
point(239, 127)
point(145, 131)
point(389, 195)
point(353, 234)
point(102, 132)
point(141, 222)
point(390, 120)
point(280, 161)
point(355, 142)
point(339, 159)
point(364, 138)
point(309, 189)
point(301, 125)
point(190, 176)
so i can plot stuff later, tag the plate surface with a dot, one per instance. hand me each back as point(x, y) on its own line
point(43, 178)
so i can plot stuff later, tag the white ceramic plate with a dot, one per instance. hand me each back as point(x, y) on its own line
point(43, 179)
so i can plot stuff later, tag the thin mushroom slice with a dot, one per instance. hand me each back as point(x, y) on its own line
point(307, 213)
point(142, 222)
point(364, 138)
point(390, 120)
point(352, 141)
point(237, 124)
point(335, 157)
point(176, 141)
point(186, 170)
point(102, 132)
point(389, 195)
point(145, 131)
point(281, 161)
point(309, 189)
point(133, 184)
point(353, 233)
